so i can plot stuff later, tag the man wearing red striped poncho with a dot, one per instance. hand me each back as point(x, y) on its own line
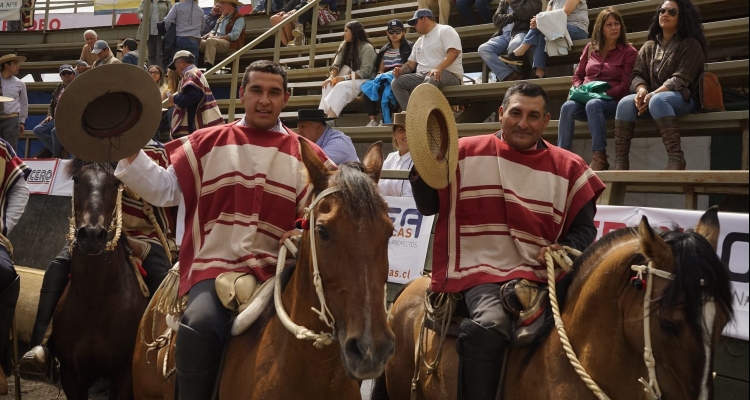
point(240, 188)
point(513, 194)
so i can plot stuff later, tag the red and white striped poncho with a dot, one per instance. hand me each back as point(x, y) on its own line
point(510, 204)
point(243, 188)
point(12, 170)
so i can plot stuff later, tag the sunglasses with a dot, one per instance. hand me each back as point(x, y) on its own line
point(394, 31)
point(672, 11)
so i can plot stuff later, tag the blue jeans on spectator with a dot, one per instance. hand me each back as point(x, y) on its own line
point(189, 44)
point(47, 134)
point(276, 6)
point(664, 104)
point(596, 112)
point(483, 7)
point(496, 46)
point(536, 38)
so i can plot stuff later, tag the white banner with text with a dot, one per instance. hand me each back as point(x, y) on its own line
point(10, 10)
point(407, 248)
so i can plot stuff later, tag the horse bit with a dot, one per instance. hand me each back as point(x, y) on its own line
point(324, 314)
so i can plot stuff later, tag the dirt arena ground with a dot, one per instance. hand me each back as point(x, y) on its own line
point(31, 390)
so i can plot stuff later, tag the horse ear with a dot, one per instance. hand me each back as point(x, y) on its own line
point(373, 160)
point(708, 226)
point(652, 245)
point(317, 172)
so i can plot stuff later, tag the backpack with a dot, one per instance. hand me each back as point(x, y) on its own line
point(709, 93)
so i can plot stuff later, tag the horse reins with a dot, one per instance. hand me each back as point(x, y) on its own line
point(651, 387)
point(115, 223)
point(324, 314)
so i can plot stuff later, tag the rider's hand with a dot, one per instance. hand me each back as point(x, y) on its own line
point(540, 253)
point(292, 235)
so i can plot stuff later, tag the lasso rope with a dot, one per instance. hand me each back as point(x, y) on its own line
point(443, 310)
point(560, 256)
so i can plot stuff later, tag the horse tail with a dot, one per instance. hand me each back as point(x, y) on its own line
point(379, 389)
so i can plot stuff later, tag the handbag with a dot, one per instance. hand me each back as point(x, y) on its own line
point(325, 16)
point(589, 91)
point(709, 93)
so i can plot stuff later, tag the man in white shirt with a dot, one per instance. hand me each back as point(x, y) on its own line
point(13, 113)
point(436, 58)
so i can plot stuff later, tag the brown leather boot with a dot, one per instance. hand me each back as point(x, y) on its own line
point(599, 161)
point(670, 135)
point(623, 135)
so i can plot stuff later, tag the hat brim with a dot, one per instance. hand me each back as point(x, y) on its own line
point(432, 135)
point(412, 22)
point(4, 99)
point(314, 119)
point(5, 59)
point(144, 113)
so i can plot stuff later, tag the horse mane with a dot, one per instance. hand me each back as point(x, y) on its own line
point(357, 191)
point(76, 165)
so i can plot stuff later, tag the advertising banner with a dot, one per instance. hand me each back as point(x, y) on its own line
point(42, 175)
point(407, 248)
point(10, 10)
point(107, 7)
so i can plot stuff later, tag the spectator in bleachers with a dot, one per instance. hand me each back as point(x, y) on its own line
point(276, 6)
point(664, 80)
point(130, 52)
point(210, 19)
point(436, 58)
point(393, 54)
point(306, 18)
point(86, 52)
point(609, 58)
point(441, 7)
point(188, 19)
point(353, 65)
point(512, 21)
point(311, 124)
point(577, 26)
point(159, 10)
point(399, 159)
point(157, 74)
point(483, 8)
point(228, 35)
point(13, 113)
point(102, 50)
point(289, 8)
point(45, 131)
point(195, 105)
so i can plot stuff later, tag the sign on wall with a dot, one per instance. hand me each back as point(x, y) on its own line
point(407, 248)
point(42, 175)
point(107, 7)
point(10, 10)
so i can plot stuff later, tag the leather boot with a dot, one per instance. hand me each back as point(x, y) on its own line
point(298, 41)
point(8, 299)
point(36, 364)
point(196, 355)
point(670, 135)
point(299, 30)
point(599, 161)
point(623, 135)
point(480, 355)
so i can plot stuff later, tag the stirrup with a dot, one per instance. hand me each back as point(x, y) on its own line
point(36, 364)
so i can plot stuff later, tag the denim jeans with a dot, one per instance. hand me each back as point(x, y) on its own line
point(596, 112)
point(536, 38)
point(483, 7)
point(276, 6)
point(664, 104)
point(47, 134)
point(496, 46)
point(189, 44)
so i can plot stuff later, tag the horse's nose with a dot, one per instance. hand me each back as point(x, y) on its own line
point(93, 234)
point(369, 353)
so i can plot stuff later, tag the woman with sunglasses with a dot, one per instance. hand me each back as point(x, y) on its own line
point(394, 54)
point(664, 81)
point(161, 81)
point(609, 58)
point(352, 66)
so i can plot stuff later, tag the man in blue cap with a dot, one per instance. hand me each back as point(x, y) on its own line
point(436, 58)
point(45, 131)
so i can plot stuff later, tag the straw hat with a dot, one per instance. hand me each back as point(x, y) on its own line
point(11, 57)
point(432, 135)
point(235, 2)
point(398, 119)
point(108, 113)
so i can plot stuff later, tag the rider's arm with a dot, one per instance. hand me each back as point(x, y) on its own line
point(427, 199)
point(18, 196)
point(582, 231)
point(155, 184)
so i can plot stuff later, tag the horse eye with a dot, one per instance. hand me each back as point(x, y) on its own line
point(322, 232)
point(671, 327)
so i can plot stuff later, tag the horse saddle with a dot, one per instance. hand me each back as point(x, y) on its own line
point(240, 292)
point(525, 300)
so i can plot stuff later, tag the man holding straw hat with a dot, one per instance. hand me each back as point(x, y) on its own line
point(501, 199)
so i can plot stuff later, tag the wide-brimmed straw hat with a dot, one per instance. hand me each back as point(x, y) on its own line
point(11, 57)
point(108, 113)
point(235, 2)
point(398, 119)
point(432, 135)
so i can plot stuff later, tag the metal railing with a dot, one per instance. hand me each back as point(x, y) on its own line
point(234, 58)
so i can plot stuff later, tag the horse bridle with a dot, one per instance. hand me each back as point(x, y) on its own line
point(115, 224)
point(324, 314)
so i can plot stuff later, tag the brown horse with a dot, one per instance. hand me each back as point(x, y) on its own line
point(604, 317)
point(97, 317)
point(351, 232)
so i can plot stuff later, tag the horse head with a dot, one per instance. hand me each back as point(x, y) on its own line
point(95, 190)
point(351, 234)
point(691, 305)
